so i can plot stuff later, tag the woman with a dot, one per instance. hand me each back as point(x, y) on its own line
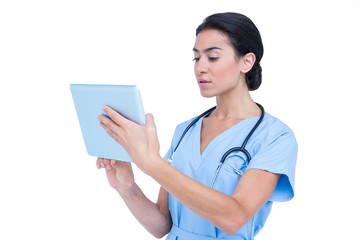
point(200, 198)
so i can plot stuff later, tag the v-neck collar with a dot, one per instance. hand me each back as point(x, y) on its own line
point(223, 135)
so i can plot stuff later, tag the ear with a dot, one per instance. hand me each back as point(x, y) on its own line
point(247, 61)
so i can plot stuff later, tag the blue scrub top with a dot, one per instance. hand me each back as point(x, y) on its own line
point(273, 147)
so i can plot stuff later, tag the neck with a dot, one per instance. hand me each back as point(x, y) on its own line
point(239, 107)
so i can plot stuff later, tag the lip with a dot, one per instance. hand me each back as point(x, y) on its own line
point(203, 81)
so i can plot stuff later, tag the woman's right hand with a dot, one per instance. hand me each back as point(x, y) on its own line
point(120, 174)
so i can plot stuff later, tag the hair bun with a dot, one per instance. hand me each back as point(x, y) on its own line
point(254, 77)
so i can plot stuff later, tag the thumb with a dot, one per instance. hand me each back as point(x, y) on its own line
point(151, 129)
point(150, 124)
point(118, 164)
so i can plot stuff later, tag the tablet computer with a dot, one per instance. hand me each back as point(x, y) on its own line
point(89, 100)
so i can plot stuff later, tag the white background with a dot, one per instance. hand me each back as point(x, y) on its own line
point(51, 189)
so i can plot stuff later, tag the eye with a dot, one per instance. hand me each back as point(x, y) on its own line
point(196, 59)
point(213, 59)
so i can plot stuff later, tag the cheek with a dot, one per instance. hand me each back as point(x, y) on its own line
point(228, 74)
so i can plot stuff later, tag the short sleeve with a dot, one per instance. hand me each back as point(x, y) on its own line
point(279, 156)
point(176, 138)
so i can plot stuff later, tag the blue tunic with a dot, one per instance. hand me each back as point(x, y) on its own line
point(273, 148)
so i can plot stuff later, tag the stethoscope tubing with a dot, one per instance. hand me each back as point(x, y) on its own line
point(226, 154)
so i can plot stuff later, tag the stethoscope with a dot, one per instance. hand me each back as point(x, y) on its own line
point(223, 158)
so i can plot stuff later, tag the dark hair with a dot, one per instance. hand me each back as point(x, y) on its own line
point(243, 35)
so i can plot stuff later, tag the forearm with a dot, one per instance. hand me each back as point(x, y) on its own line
point(155, 220)
point(220, 209)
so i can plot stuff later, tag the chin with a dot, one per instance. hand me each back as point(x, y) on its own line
point(206, 94)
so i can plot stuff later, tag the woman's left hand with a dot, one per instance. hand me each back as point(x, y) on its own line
point(141, 142)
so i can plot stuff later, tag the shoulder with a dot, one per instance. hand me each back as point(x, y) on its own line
point(274, 132)
point(273, 125)
point(181, 127)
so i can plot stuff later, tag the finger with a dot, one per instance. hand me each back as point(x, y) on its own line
point(111, 128)
point(115, 116)
point(103, 163)
point(113, 162)
point(118, 164)
point(98, 162)
point(107, 123)
point(107, 163)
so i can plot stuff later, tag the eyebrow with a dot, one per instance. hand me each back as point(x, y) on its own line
point(207, 49)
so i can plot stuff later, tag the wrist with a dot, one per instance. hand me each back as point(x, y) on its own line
point(128, 191)
point(152, 164)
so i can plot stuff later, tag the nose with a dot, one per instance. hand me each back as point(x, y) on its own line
point(200, 66)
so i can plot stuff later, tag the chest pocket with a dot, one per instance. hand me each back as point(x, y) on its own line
point(236, 164)
point(232, 170)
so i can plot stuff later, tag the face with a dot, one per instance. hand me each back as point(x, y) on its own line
point(217, 69)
